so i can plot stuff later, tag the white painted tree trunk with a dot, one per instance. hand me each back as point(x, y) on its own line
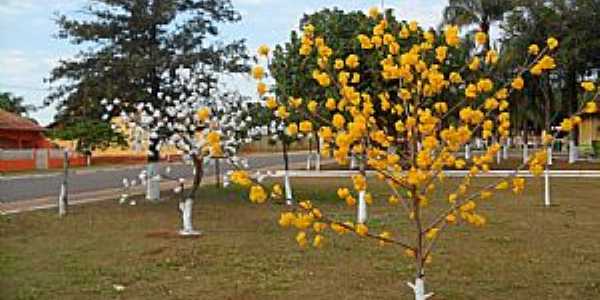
point(318, 155)
point(505, 151)
point(309, 159)
point(572, 152)
point(62, 200)
point(525, 153)
point(88, 160)
point(361, 216)
point(467, 151)
point(498, 157)
point(550, 155)
point(353, 162)
point(478, 143)
point(419, 289)
point(318, 161)
point(288, 189)
point(153, 182)
point(185, 208)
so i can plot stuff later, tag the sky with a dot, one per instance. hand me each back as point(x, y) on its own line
point(29, 49)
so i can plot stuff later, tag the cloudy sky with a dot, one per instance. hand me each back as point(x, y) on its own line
point(28, 49)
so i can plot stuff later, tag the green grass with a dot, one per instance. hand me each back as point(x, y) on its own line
point(526, 251)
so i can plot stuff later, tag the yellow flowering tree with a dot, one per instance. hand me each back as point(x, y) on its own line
point(417, 103)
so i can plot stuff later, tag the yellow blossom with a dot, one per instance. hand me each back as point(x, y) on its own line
point(261, 88)
point(301, 238)
point(352, 61)
point(533, 49)
point(552, 43)
point(480, 38)
point(258, 72)
point(263, 50)
point(588, 86)
point(257, 194)
point(306, 127)
point(518, 83)
point(318, 241)
point(203, 114)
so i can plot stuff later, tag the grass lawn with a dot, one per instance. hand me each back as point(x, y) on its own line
point(526, 251)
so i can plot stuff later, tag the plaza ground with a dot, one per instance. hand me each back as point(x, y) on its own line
point(526, 251)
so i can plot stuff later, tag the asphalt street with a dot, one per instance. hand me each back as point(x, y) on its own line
point(26, 187)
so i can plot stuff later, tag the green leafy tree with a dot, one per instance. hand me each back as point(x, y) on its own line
point(135, 45)
point(14, 104)
point(90, 135)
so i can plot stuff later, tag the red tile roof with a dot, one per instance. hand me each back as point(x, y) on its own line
point(14, 122)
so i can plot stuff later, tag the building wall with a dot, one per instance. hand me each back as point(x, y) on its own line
point(16, 139)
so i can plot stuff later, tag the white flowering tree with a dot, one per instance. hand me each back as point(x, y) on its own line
point(202, 122)
point(407, 101)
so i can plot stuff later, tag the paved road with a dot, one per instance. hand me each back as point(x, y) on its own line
point(36, 186)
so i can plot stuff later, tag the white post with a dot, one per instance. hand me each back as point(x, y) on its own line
point(505, 151)
point(478, 143)
point(186, 218)
point(572, 151)
point(152, 182)
point(362, 208)
point(467, 151)
point(525, 153)
point(547, 187)
point(419, 289)
point(288, 189)
point(550, 155)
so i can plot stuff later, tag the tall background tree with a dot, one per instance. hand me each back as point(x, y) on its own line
point(14, 104)
point(482, 13)
point(529, 22)
point(133, 45)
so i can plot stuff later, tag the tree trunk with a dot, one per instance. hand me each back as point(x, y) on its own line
point(571, 87)
point(419, 289)
point(525, 142)
point(309, 157)
point(288, 187)
point(63, 199)
point(361, 216)
point(318, 156)
point(187, 202)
